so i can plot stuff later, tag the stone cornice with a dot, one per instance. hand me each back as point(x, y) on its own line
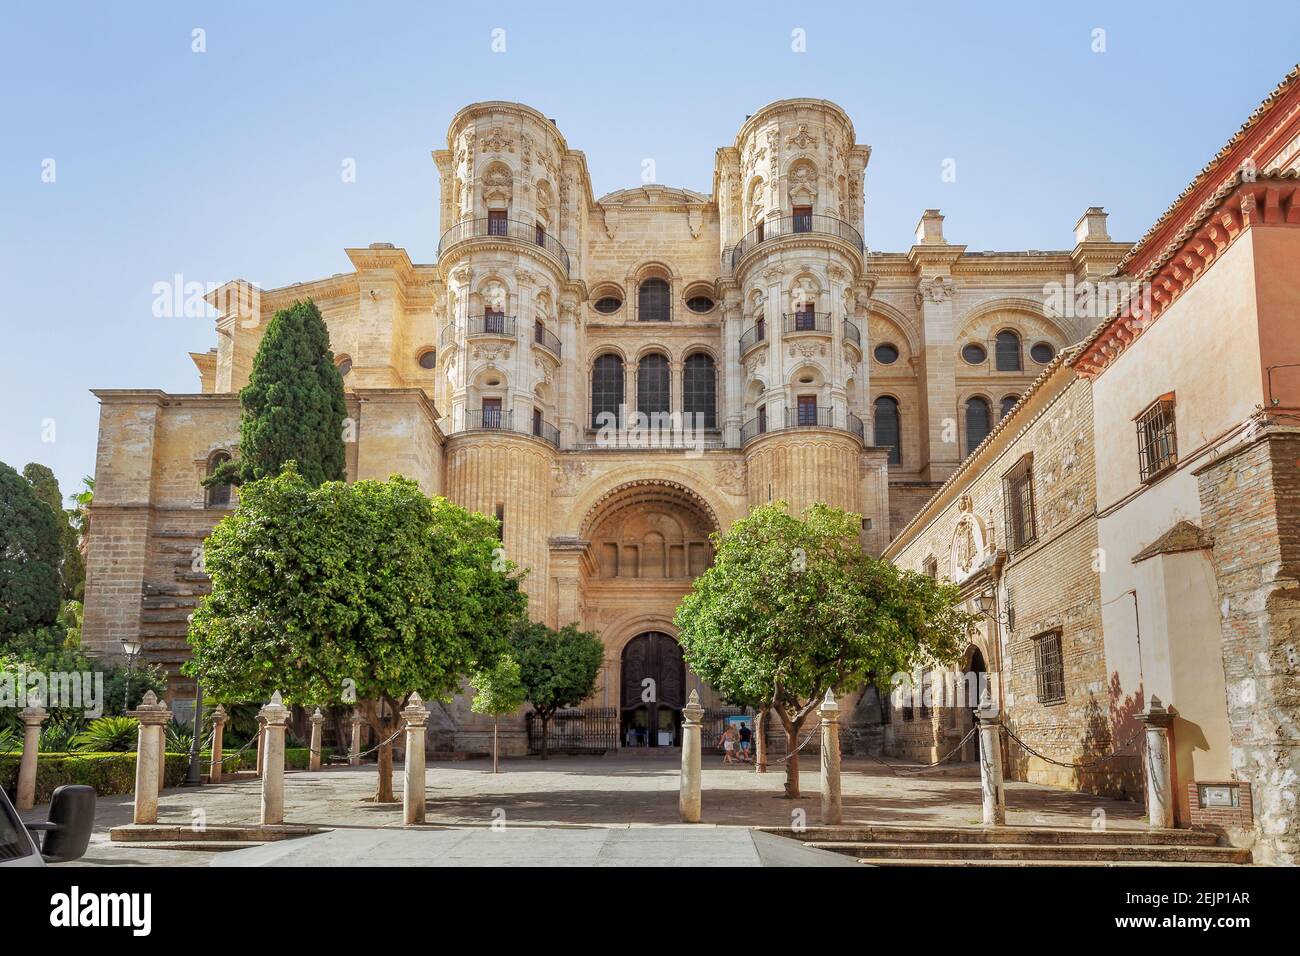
point(1269, 200)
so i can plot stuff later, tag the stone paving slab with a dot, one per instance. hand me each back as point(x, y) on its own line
point(586, 792)
point(690, 846)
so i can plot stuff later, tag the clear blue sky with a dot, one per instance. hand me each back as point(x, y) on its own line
point(227, 163)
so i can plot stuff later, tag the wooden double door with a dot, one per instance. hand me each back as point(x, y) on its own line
point(653, 691)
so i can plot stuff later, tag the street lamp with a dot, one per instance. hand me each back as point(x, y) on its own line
point(131, 648)
point(988, 607)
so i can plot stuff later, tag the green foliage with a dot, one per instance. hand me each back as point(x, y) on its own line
point(29, 557)
point(370, 587)
point(500, 689)
point(293, 405)
point(72, 566)
point(108, 773)
point(557, 668)
point(180, 737)
point(58, 735)
point(792, 607)
point(11, 741)
point(54, 650)
point(108, 735)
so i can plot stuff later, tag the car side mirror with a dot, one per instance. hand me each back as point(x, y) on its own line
point(72, 817)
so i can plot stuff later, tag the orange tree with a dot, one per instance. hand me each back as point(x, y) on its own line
point(351, 594)
point(793, 607)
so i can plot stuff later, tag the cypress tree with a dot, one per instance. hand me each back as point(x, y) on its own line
point(72, 567)
point(293, 407)
point(29, 557)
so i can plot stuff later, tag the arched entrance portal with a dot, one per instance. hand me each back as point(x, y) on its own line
point(974, 676)
point(653, 691)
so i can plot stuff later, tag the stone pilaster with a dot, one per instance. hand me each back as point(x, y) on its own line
point(33, 716)
point(689, 801)
point(1160, 790)
point(219, 718)
point(416, 716)
point(832, 800)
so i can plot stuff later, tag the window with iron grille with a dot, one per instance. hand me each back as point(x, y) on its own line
point(1050, 668)
point(699, 389)
point(1018, 500)
point(654, 301)
point(1157, 438)
point(652, 385)
point(1007, 352)
point(606, 387)
point(887, 430)
point(931, 568)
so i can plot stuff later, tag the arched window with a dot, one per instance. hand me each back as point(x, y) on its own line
point(653, 388)
point(606, 390)
point(1008, 403)
point(1008, 352)
point(654, 301)
point(700, 390)
point(218, 496)
point(888, 432)
point(978, 422)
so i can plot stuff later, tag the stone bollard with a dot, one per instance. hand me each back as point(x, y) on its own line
point(313, 759)
point(152, 716)
point(689, 801)
point(1160, 796)
point(416, 716)
point(261, 742)
point(218, 732)
point(832, 798)
point(994, 798)
point(276, 716)
point(354, 749)
point(33, 716)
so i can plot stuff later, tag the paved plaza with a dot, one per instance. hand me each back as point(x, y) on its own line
point(607, 792)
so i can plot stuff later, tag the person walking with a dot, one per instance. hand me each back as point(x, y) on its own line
point(746, 737)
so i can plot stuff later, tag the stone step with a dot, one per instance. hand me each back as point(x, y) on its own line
point(881, 861)
point(1029, 852)
point(1043, 836)
point(206, 846)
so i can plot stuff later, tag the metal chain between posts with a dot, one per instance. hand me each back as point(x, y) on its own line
point(1075, 766)
point(396, 733)
point(911, 771)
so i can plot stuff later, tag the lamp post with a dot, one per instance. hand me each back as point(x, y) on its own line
point(131, 648)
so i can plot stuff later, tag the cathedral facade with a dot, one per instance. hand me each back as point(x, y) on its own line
point(614, 378)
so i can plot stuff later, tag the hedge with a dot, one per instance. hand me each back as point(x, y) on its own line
point(113, 774)
point(108, 773)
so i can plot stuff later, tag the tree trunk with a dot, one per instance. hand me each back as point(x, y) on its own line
point(384, 786)
point(546, 720)
point(495, 721)
point(760, 740)
point(792, 762)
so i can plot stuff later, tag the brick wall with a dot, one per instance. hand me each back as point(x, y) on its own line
point(1250, 502)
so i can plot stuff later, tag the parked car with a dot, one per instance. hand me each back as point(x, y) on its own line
point(64, 836)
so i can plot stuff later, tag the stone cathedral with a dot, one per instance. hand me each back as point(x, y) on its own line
point(514, 370)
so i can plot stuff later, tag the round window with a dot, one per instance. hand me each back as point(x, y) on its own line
point(699, 303)
point(608, 305)
point(428, 359)
point(886, 354)
point(1042, 353)
point(974, 353)
point(344, 367)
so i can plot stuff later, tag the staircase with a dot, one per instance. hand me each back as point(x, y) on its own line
point(1020, 846)
point(172, 590)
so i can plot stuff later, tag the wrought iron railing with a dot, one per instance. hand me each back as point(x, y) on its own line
point(852, 333)
point(490, 418)
point(806, 322)
point(448, 335)
point(492, 323)
point(857, 427)
point(590, 730)
point(807, 416)
point(771, 229)
point(546, 432)
point(528, 232)
point(753, 335)
point(501, 419)
point(546, 338)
